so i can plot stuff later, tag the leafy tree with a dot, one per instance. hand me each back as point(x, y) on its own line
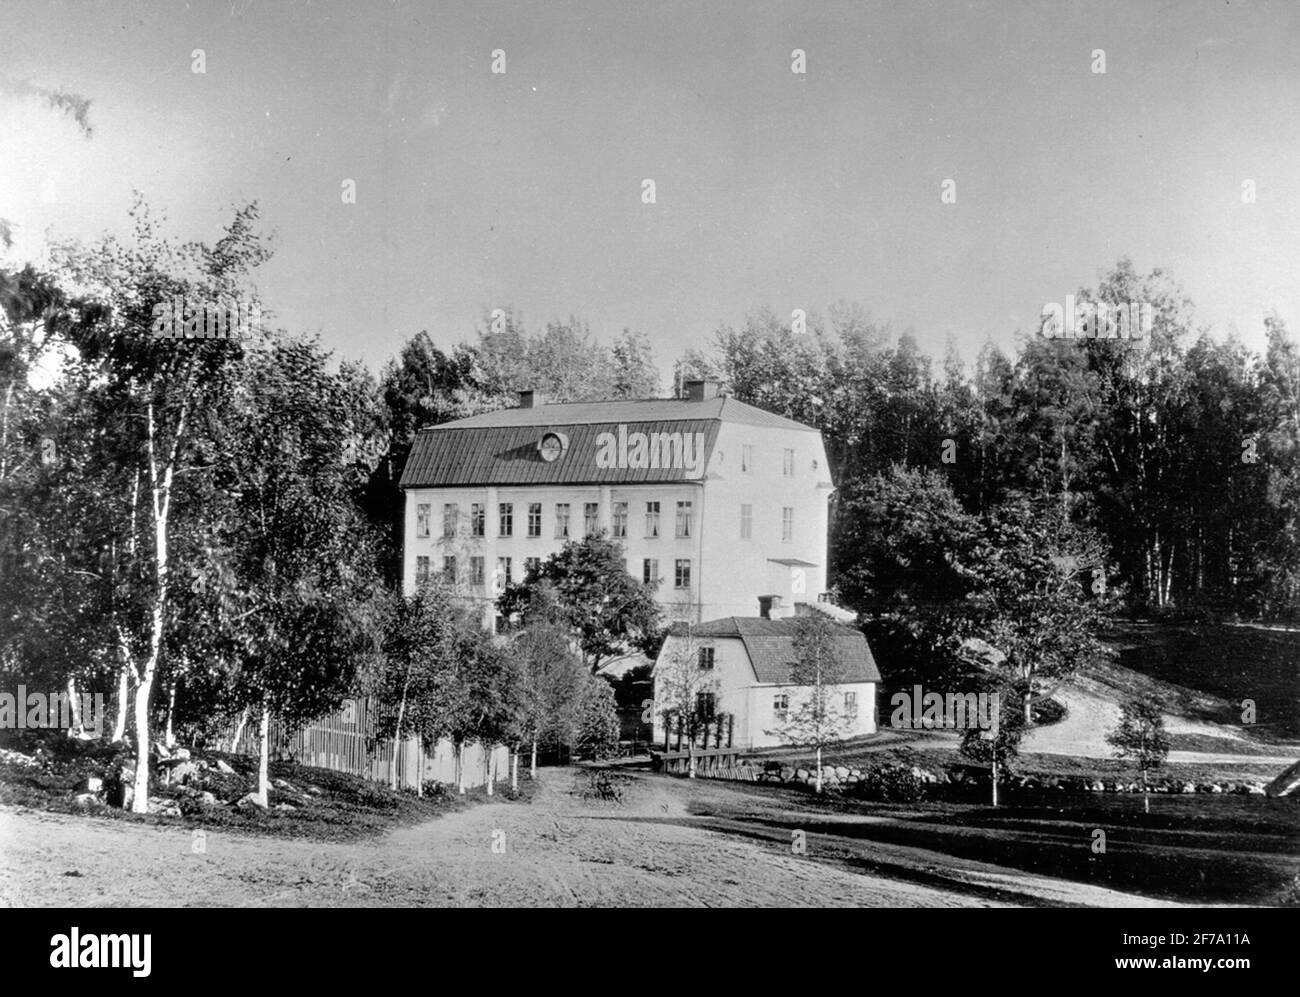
point(552, 676)
point(604, 607)
point(303, 559)
point(634, 371)
point(681, 685)
point(998, 746)
point(148, 396)
point(596, 727)
point(1140, 735)
point(416, 669)
point(1029, 602)
point(485, 697)
point(815, 718)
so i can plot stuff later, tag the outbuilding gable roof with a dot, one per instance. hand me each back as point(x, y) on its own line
point(770, 646)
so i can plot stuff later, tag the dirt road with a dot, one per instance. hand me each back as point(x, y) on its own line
point(558, 850)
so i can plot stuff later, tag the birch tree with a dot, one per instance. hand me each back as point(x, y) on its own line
point(816, 718)
point(148, 391)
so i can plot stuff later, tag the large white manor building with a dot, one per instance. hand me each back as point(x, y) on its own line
point(718, 502)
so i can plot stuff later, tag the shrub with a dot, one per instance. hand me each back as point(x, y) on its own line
point(890, 784)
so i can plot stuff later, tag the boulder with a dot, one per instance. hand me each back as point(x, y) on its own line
point(787, 773)
point(163, 807)
point(802, 774)
point(1097, 786)
point(1255, 788)
point(285, 806)
point(182, 753)
point(249, 801)
point(87, 800)
point(224, 769)
point(17, 758)
point(180, 772)
point(841, 772)
point(1188, 787)
point(93, 784)
point(207, 799)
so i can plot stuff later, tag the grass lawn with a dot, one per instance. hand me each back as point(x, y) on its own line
point(1205, 671)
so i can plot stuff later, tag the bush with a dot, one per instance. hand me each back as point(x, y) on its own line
point(890, 784)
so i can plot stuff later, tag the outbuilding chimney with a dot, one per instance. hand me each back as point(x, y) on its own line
point(698, 391)
point(531, 399)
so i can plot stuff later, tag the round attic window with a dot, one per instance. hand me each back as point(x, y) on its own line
point(552, 445)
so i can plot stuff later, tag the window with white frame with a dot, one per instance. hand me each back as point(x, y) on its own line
point(684, 515)
point(682, 573)
point(652, 519)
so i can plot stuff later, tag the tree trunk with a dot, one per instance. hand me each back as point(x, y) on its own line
point(514, 770)
point(239, 730)
point(169, 739)
point(995, 780)
point(140, 801)
point(123, 695)
point(460, 769)
point(819, 768)
point(397, 731)
point(532, 770)
point(263, 757)
point(1146, 796)
point(76, 728)
point(491, 755)
point(161, 495)
point(419, 766)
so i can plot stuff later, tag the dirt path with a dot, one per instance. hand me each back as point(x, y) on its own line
point(1091, 712)
point(559, 851)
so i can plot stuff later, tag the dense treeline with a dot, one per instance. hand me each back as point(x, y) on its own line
point(1181, 451)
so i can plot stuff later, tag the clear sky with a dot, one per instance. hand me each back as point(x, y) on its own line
point(773, 188)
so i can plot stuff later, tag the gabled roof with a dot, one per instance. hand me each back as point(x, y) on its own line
point(501, 448)
point(770, 646)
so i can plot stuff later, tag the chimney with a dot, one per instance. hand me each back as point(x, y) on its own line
point(531, 399)
point(698, 391)
point(766, 603)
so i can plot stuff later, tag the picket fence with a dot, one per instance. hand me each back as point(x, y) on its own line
point(343, 742)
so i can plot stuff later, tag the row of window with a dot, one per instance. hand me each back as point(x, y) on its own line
point(747, 460)
point(591, 520)
point(706, 704)
point(781, 704)
point(505, 567)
